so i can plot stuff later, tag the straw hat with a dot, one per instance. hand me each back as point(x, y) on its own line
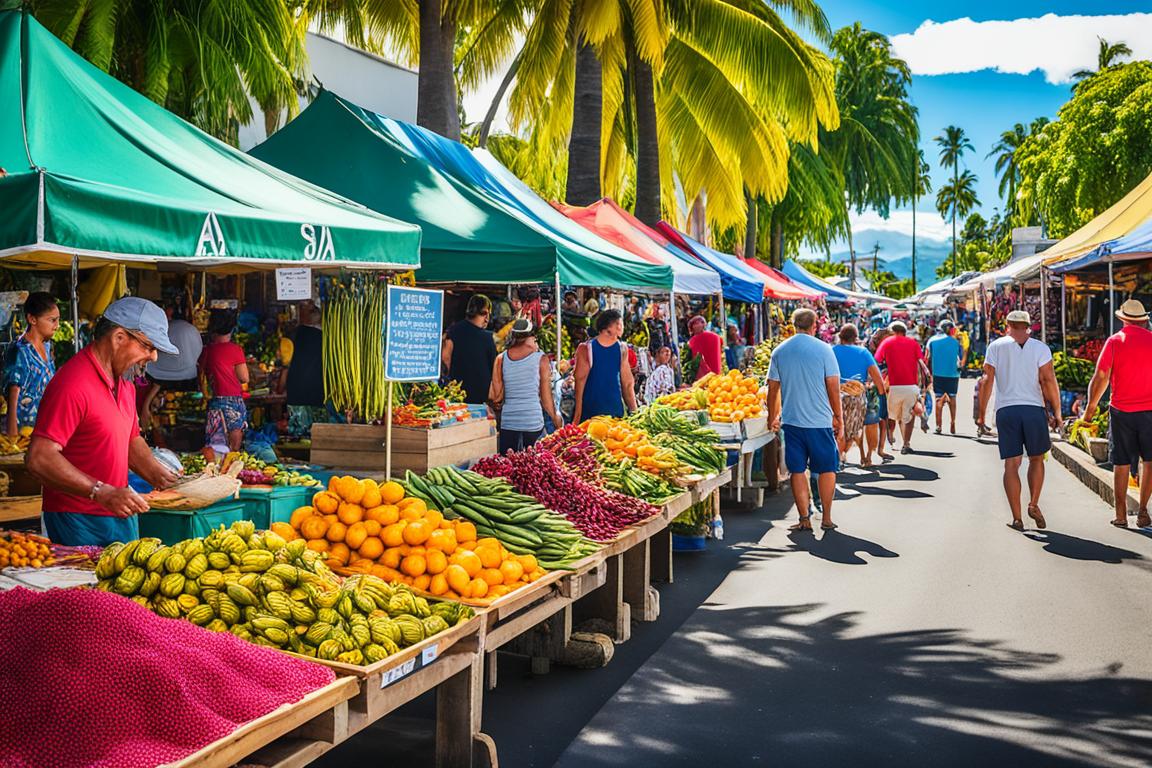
point(1132, 311)
point(1019, 316)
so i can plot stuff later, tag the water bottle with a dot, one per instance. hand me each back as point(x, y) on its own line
point(717, 525)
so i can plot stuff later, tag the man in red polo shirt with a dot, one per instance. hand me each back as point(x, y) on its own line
point(87, 434)
point(906, 367)
point(1123, 363)
point(707, 346)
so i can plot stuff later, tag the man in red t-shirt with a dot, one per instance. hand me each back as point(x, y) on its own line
point(87, 434)
point(1123, 363)
point(906, 369)
point(707, 346)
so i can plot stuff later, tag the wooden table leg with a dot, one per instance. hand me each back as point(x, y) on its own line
point(638, 591)
point(459, 708)
point(607, 603)
point(661, 547)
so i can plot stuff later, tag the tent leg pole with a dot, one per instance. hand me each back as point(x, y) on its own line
point(1043, 306)
point(75, 302)
point(672, 324)
point(723, 317)
point(388, 434)
point(556, 313)
point(1064, 314)
point(1111, 301)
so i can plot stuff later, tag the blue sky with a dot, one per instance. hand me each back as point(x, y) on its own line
point(1020, 54)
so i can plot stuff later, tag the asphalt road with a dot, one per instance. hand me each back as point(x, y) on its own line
point(922, 632)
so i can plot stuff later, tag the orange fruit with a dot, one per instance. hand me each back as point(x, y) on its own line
point(438, 584)
point(371, 497)
point(372, 528)
point(477, 588)
point(413, 565)
point(465, 531)
point(340, 553)
point(350, 513)
point(336, 532)
point(489, 555)
point(512, 570)
point(300, 515)
point(394, 534)
point(348, 488)
point(527, 562)
point(318, 545)
point(443, 539)
point(385, 514)
point(499, 590)
point(422, 582)
point(493, 576)
point(372, 548)
point(433, 517)
point(416, 532)
point(458, 578)
point(437, 561)
point(283, 530)
point(391, 558)
point(391, 492)
point(314, 527)
point(470, 562)
point(356, 535)
point(412, 503)
point(326, 502)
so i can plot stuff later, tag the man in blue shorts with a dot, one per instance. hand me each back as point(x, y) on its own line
point(1020, 368)
point(945, 355)
point(804, 397)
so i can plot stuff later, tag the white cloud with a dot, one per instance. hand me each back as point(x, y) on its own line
point(929, 224)
point(1054, 45)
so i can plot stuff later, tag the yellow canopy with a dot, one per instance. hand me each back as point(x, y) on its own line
point(1130, 212)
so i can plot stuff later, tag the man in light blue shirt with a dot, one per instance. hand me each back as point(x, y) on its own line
point(804, 400)
point(945, 355)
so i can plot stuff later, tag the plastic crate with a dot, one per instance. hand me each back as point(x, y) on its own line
point(688, 543)
point(174, 525)
point(264, 505)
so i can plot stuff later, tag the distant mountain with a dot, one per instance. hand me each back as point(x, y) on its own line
point(896, 254)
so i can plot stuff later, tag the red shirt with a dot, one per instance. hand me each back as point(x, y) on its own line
point(218, 361)
point(94, 421)
point(709, 347)
point(902, 355)
point(1127, 353)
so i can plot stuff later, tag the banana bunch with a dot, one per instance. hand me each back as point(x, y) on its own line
point(18, 444)
point(1072, 372)
point(686, 400)
point(273, 592)
point(762, 359)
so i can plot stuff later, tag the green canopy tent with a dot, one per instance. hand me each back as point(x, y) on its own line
point(469, 236)
point(95, 172)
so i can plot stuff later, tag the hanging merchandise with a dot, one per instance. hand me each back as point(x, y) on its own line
point(353, 350)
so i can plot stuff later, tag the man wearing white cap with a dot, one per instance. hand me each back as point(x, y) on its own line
point(1020, 368)
point(87, 434)
point(1123, 363)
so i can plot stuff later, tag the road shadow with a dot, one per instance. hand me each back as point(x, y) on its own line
point(1076, 548)
point(933, 454)
point(904, 472)
point(837, 547)
point(793, 686)
point(896, 493)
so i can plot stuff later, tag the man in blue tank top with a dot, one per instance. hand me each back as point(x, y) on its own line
point(603, 377)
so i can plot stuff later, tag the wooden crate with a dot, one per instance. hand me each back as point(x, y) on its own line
point(361, 446)
point(13, 508)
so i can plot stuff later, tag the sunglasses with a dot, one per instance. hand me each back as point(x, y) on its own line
point(148, 346)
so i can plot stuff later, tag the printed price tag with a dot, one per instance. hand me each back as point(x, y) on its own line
point(396, 673)
point(430, 654)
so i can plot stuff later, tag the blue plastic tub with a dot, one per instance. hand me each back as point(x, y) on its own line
point(172, 526)
point(688, 543)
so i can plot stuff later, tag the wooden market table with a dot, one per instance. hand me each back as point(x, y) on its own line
point(360, 447)
point(19, 509)
point(745, 450)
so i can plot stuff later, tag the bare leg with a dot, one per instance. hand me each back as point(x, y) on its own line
point(865, 459)
point(951, 411)
point(940, 412)
point(1035, 479)
point(800, 494)
point(907, 429)
point(235, 439)
point(872, 437)
point(827, 481)
point(1012, 485)
point(1120, 491)
point(1145, 483)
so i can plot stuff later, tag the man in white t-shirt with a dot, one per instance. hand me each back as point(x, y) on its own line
point(1020, 369)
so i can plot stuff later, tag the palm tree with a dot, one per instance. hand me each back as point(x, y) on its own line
point(1107, 54)
point(957, 198)
point(953, 144)
point(200, 60)
point(921, 185)
point(1006, 168)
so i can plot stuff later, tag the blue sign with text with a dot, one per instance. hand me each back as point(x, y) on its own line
point(412, 335)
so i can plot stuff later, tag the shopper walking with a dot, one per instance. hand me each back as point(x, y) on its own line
point(224, 375)
point(603, 377)
point(906, 369)
point(945, 353)
point(521, 389)
point(707, 346)
point(87, 435)
point(1123, 366)
point(469, 351)
point(1020, 369)
point(884, 419)
point(172, 373)
point(804, 400)
point(28, 362)
point(858, 370)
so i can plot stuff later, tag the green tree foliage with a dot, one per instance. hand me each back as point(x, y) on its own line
point(956, 198)
point(825, 268)
point(973, 257)
point(1094, 153)
point(887, 284)
point(1107, 54)
point(1006, 168)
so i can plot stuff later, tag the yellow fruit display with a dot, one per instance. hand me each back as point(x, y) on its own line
point(21, 550)
point(400, 540)
point(623, 441)
point(732, 397)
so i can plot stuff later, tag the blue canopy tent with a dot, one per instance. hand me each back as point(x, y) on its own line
point(736, 280)
point(804, 277)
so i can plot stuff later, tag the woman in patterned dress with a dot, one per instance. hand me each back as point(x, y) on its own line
point(28, 363)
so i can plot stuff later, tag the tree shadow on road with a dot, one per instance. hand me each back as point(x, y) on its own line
point(902, 472)
point(792, 686)
point(1076, 548)
point(933, 454)
point(836, 547)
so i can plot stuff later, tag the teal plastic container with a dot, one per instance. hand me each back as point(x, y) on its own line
point(173, 526)
point(265, 506)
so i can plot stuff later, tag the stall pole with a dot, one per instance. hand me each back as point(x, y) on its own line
point(1043, 306)
point(672, 321)
point(1111, 302)
point(75, 301)
point(1064, 314)
point(388, 434)
point(723, 317)
point(556, 314)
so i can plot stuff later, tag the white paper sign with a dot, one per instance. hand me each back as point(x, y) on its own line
point(396, 673)
point(293, 283)
point(429, 654)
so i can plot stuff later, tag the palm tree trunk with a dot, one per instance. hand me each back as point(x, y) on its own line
point(753, 223)
point(915, 181)
point(494, 107)
point(648, 208)
point(851, 257)
point(698, 221)
point(583, 185)
point(776, 246)
point(955, 195)
point(436, 97)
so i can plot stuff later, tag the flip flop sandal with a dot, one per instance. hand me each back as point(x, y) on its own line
point(805, 524)
point(939, 431)
point(828, 526)
point(1143, 520)
point(1017, 525)
point(1035, 513)
point(1119, 523)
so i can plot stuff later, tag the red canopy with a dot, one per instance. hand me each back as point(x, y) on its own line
point(777, 285)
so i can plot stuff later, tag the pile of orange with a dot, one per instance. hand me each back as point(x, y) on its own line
point(732, 397)
point(619, 438)
point(368, 528)
point(24, 549)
